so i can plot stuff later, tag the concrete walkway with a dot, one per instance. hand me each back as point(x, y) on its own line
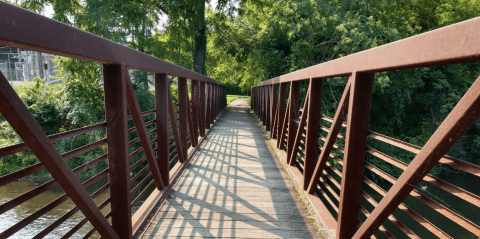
point(232, 189)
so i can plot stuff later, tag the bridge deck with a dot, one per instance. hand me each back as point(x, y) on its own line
point(233, 188)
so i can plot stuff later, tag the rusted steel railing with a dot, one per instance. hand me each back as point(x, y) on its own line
point(168, 139)
point(336, 185)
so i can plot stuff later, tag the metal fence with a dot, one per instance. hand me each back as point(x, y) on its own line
point(168, 139)
point(332, 172)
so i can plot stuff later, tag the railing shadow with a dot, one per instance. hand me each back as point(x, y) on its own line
point(233, 188)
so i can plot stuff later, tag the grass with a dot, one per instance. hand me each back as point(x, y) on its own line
point(231, 98)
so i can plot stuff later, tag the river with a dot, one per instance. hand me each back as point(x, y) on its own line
point(20, 212)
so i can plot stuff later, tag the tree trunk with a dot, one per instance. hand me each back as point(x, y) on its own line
point(200, 52)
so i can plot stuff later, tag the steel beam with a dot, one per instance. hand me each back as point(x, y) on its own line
point(208, 111)
point(202, 109)
point(330, 141)
point(115, 86)
point(19, 32)
point(452, 128)
point(354, 156)
point(268, 107)
point(313, 127)
point(281, 112)
point(292, 157)
point(293, 115)
point(21, 120)
point(161, 125)
point(176, 134)
point(273, 107)
point(194, 88)
point(457, 43)
point(142, 131)
point(183, 108)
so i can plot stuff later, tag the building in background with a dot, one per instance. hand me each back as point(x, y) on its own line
point(19, 66)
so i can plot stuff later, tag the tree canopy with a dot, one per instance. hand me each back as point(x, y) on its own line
point(243, 42)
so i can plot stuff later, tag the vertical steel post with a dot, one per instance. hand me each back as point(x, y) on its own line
point(259, 95)
point(134, 108)
point(212, 103)
point(195, 117)
point(224, 97)
point(354, 156)
point(202, 109)
point(218, 101)
point(332, 135)
point(183, 107)
point(268, 107)
point(191, 130)
point(175, 130)
point(293, 114)
point(115, 85)
point(452, 128)
point(215, 102)
point(161, 123)
point(251, 97)
point(254, 102)
point(282, 102)
point(274, 96)
point(22, 121)
point(262, 106)
point(313, 127)
point(208, 105)
point(292, 157)
point(258, 103)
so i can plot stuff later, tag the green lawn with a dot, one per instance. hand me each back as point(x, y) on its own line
point(231, 98)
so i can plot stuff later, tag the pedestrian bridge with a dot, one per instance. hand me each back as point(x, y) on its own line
point(277, 168)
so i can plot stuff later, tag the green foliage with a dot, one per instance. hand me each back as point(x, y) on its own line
point(45, 104)
point(255, 41)
point(231, 98)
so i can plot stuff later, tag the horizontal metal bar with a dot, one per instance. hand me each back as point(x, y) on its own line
point(84, 221)
point(140, 184)
point(171, 153)
point(135, 201)
point(381, 228)
point(93, 230)
point(447, 160)
point(135, 153)
point(171, 160)
point(457, 43)
point(460, 220)
point(137, 163)
point(392, 218)
point(138, 151)
point(144, 169)
point(47, 208)
point(84, 149)
point(332, 204)
point(453, 189)
point(44, 187)
point(145, 113)
point(69, 214)
point(13, 149)
point(18, 31)
point(417, 217)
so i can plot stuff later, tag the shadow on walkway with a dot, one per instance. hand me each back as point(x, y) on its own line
point(233, 188)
